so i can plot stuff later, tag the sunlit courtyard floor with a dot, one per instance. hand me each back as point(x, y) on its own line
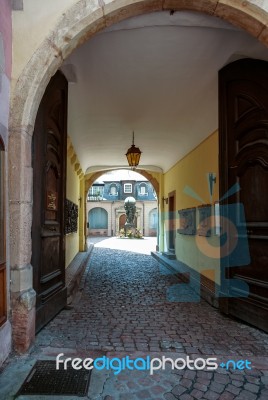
point(142, 246)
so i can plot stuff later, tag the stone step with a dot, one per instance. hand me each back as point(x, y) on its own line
point(169, 254)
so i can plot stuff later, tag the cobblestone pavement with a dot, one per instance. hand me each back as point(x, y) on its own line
point(122, 309)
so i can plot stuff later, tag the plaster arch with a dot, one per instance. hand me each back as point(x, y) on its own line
point(80, 22)
point(89, 180)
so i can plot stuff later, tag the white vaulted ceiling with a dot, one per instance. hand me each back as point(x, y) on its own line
point(156, 74)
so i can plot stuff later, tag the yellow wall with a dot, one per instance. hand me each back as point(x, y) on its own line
point(72, 194)
point(192, 172)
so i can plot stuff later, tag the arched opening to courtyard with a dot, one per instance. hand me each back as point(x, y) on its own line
point(108, 195)
point(28, 93)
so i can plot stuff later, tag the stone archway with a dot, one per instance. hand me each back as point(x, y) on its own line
point(84, 19)
point(78, 24)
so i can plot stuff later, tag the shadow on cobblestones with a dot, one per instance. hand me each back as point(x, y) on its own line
point(122, 309)
point(123, 306)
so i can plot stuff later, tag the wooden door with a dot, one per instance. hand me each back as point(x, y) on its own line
point(122, 221)
point(49, 181)
point(3, 294)
point(172, 220)
point(243, 101)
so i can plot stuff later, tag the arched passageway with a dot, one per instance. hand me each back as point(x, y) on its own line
point(110, 190)
point(85, 21)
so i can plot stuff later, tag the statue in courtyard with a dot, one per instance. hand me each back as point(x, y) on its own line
point(130, 207)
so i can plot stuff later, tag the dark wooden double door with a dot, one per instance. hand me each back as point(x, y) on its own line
point(243, 100)
point(49, 181)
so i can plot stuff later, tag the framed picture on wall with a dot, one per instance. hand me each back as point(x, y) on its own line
point(204, 220)
point(187, 221)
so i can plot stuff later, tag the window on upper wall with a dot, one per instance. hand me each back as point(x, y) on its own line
point(95, 193)
point(128, 188)
point(3, 304)
point(143, 190)
point(113, 190)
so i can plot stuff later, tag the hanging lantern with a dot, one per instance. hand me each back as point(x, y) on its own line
point(133, 155)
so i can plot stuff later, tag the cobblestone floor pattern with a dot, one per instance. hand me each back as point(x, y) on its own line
point(122, 309)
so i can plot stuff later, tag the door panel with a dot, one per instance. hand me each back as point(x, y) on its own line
point(172, 220)
point(49, 169)
point(3, 294)
point(243, 100)
point(122, 221)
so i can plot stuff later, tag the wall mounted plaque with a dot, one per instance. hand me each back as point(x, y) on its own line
point(71, 217)
point(187, 221)
point(204, 220)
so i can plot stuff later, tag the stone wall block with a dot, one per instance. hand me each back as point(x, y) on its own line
point(207, 6)
point(23, 321)
point(21, 278)
point(264, 36)
point(77, 25)
point(20, 184)
point(245, 15)
point(77, 12)
point(20, 234)
point(20, 170)
point(116, 11)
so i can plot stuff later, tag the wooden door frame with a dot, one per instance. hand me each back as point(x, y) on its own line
point(3, 318)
